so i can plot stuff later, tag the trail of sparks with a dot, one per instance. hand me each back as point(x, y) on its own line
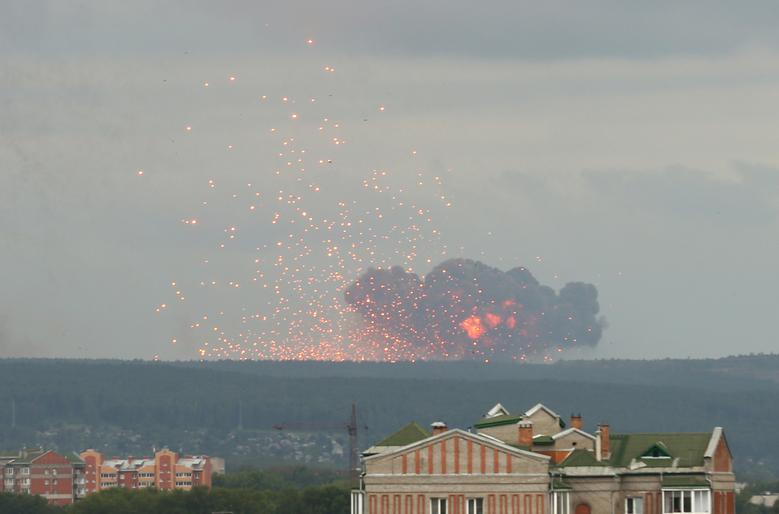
point(322, 239)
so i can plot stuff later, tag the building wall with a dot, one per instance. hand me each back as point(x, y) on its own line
point(454, 455)
point(544, 423)
point(160, 474)
point(456, 468)
point(574, 441)
point(507, 433)
point(165, 462)
point(459, 465)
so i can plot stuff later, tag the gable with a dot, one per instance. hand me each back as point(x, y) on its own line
point(50, 457)
point(657, 451)
point(545, 421)
point(574, 438)
point(723, 459)
point(456, 452)
point(497, 410)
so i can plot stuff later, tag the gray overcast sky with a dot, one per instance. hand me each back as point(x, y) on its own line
point(628, 144)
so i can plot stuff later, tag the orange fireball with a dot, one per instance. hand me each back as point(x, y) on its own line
point(493, 320)
point(473, 327)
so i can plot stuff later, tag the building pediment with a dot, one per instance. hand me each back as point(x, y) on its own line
point(456, 452)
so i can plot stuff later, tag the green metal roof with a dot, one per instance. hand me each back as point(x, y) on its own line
point(689, 448)
point(657, 450)
point(543, 440)
point(685, 481)
point(409, 434)
point(74, 458)
point(496, 421)
point(581, 458)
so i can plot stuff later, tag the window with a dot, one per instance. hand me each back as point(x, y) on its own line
point(686, 501)
point(25, 471)
point(561, 503)
point(437, 505)
point(475, 506)
point(634, 506)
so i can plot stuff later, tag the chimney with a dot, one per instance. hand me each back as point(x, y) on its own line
point(576, 421)
point(603, 430)
point(439, 427)
point(526, 433)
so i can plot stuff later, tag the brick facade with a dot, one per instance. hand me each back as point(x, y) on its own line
point(165, 471)
point(56, 477)
point(532, 464)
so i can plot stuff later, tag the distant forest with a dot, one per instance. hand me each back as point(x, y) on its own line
point(229, 408)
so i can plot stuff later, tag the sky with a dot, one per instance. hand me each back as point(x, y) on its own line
point(631, 145)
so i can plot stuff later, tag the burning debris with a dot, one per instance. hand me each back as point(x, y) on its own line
point(464, 309)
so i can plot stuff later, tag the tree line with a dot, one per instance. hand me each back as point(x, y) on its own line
point(244, 492)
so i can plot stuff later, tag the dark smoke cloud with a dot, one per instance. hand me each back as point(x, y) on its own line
point(466, 309)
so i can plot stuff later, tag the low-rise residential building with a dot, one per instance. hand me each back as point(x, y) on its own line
point(57, 477)
point(533, 463)
point(166, 470)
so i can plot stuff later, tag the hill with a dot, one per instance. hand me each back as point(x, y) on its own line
point(230, 408)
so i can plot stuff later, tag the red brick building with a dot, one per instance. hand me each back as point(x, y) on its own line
point(58, 478)
point(166, 470)
point(532, 463)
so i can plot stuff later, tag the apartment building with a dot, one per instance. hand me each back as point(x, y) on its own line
point(166, 470)
point(57, 477)
point(534, 463)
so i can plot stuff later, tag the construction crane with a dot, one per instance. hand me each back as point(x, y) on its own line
point(352, 430)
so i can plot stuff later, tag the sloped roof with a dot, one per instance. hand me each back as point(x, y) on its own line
point(74, 458)
point(456, 432)
point(572, 430)
point(689, 448)
point(496, 421)
point(541, 406)
point(410, 433)
point(657, 450)
point(543, 440)
point(581, 458)
point(497, 410)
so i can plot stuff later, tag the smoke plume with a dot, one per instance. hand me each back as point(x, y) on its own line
point(464, 309)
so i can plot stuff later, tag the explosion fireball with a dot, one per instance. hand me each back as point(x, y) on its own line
point(297, 235)
point(465, 309)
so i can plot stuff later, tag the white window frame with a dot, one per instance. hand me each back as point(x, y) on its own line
point(637, 501)
point(358, 502)
point(438, 506)
point(474, 505)
point(698, 497)
point(560, 502)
